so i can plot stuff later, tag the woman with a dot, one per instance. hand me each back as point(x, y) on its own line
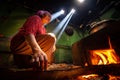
point(32, 46)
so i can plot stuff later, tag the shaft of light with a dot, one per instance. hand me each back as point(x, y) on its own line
point(56, 15)
point(64, 27)
point(60, 25)
point(81, 1)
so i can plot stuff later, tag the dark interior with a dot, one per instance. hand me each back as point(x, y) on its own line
point(94, 23)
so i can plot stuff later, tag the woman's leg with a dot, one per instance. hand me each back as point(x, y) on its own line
point(23, 53)
point(47, 44)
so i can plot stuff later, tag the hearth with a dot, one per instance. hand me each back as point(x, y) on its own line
point(101, 47)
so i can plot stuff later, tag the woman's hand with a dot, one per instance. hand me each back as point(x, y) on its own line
point(39, 61)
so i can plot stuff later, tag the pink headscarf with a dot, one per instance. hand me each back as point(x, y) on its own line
point(43, 13)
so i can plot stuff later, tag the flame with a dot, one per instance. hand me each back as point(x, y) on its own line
point(114, 77)
point(97, 77)
point(105, 56)
point(90, 75)
point(86, 77)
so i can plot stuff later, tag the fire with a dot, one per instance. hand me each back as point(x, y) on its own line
point(90, 75)
point(97, 77)
point(105, 56)
point(87, 77)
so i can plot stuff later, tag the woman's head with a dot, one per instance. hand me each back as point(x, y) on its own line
point(45, 16)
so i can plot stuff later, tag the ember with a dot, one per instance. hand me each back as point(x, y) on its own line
point(61, 66)
point(97, 77)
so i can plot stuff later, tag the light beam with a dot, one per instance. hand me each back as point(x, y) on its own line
point(62, 11)
point(81, 1)
point(57, 14)
point(60, 25)
point(58, 37)
point(73, 10)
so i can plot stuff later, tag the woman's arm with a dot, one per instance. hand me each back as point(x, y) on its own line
point(39, 56)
